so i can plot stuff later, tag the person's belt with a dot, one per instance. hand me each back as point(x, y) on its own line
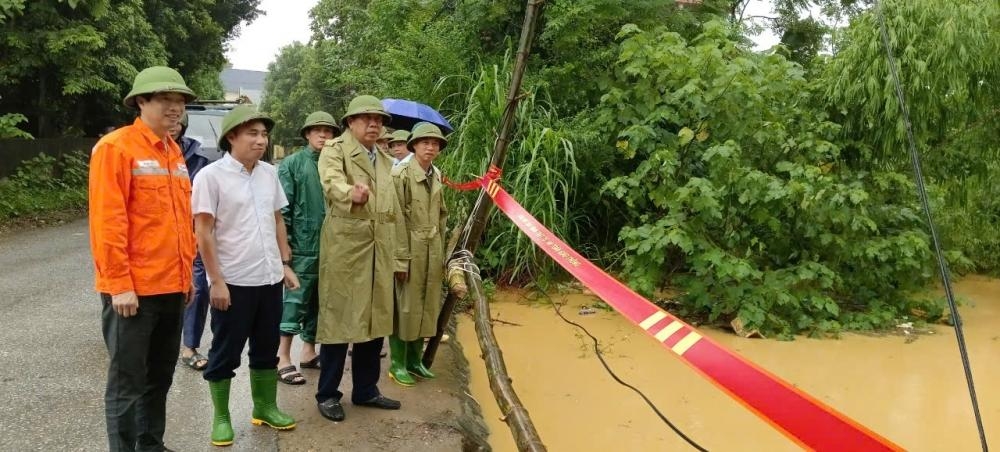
point(381, 217)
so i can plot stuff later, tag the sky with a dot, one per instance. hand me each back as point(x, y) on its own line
point(285, 22)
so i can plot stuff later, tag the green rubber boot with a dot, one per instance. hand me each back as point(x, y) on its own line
point(414, 359)
point(264, 391)
point(222, 426)
point(397, 370)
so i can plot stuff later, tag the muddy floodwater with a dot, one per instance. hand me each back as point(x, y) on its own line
point(911, 391)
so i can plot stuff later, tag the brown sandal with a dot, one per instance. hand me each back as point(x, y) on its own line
point(290, 375)
point(311, 364)
point(194, 360)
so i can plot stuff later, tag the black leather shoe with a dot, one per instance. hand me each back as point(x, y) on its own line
point(332, 410)
point(382, 403)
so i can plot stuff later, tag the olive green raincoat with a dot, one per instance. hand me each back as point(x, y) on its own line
point(358, 247)
point(418, 301)
point(306, 208)
point(303, 219)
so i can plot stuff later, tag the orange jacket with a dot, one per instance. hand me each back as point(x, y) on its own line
point(141, 231)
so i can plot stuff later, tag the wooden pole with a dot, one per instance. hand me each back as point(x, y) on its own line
point(515, 415)
point(470, 237)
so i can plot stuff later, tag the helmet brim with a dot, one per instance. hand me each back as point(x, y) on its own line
point(268, 124)
point(157, 88)
point(305, 129)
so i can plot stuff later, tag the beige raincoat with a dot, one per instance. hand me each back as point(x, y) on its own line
point(358, 246)
point(418, 301)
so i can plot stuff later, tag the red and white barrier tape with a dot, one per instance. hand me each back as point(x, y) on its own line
point(803, 419)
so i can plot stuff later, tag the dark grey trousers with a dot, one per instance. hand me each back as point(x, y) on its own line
point(143, 351)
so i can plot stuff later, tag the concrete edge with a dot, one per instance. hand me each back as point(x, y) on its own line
point(471, 422)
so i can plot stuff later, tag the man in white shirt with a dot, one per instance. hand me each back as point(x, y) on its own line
point(237, 203)
point(397, 147)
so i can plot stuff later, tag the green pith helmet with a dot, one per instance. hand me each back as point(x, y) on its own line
point(385, 135)
point(319, 118)
point(364, 104)
point(399, 135)
point(426, 130)
point(241, 115)
point(158, 79)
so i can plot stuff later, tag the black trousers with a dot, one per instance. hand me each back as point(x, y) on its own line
point(143, 354)
point(366, 366)
point(254, 313)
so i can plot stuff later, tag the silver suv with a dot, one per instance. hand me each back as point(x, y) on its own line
point(205, 124)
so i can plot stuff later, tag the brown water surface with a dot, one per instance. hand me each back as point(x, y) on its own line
point(912, 393)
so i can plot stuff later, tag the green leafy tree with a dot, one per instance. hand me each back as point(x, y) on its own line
point(945, 53)
point(292, 91)
point(67, 63)
point(10, 8)
point(737, 195)
point(390, 48)
point(58, 56)
point(194, 33)
point(805, 26)
point(9, 126)
point(947, 65)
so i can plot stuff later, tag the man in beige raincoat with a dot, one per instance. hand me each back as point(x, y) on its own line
point(418, 302)
point(358, 258)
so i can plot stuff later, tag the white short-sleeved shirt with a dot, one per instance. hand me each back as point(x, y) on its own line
point(396, 162)
point(243, 204)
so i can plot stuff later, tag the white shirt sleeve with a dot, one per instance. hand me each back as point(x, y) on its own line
point(204, 193)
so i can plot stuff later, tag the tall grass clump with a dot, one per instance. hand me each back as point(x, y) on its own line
point(540, 172)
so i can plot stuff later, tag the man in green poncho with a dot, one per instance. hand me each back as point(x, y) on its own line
point(358, 260)
point(303, 216)
point(418, 301)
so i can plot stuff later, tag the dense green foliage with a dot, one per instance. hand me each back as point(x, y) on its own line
point(8, 126)
point(43, 185)
point(68, 63)
point(774, 187)
point(948, 68)
point(737, 194)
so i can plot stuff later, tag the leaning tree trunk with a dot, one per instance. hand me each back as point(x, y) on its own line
point(515, 415)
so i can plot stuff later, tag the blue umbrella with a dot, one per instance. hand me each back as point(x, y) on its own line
point(406, 113)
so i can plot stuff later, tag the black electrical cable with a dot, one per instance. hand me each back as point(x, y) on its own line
point(922, 191)
point(600, 356)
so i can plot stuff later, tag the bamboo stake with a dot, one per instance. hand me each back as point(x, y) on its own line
point(476, 224)
point(515, 415)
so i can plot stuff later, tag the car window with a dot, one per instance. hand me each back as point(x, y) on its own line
point(205, 129)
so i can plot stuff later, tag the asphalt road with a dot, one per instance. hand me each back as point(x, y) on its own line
point(54, 366)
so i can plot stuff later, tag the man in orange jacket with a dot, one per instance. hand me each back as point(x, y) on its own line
point(143, 245)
